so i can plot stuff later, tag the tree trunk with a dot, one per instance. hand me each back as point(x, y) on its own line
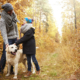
point(74, 15)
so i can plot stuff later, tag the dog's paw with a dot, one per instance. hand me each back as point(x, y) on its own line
point(15, 77)
point(7, 74)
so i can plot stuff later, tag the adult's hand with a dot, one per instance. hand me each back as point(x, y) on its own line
point(7, 45)
point(17, 38)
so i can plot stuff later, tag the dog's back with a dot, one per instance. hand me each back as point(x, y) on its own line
point(22, 56)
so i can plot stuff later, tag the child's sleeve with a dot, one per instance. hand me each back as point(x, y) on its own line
point(26, 37)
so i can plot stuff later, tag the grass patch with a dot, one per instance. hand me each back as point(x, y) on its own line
point(55, 55)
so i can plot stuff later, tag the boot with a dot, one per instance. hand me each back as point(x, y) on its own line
point(28, 74)
point(37, 72)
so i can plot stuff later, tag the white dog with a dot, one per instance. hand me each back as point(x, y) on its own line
point(14, 57)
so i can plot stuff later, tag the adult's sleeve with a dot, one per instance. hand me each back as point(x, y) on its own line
point(17, 31)
point(26, 37)
point(3, 31)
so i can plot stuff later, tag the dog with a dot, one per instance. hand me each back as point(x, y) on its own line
point(14, 57)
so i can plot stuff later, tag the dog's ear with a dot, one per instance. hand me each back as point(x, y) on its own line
point(7, 49)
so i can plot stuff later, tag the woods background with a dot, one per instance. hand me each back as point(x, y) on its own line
point(62, 53)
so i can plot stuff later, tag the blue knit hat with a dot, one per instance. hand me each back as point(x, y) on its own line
point(28, 20)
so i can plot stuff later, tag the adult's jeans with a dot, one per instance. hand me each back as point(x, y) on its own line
point(34, 60)
point(3, 58)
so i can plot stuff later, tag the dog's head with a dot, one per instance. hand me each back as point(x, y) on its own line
point(12, 49)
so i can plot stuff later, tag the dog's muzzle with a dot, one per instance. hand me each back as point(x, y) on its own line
point(14, 53)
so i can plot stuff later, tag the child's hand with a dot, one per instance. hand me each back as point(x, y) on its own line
point(14, 43)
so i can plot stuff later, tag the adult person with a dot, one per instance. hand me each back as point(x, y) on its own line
point(9, 30)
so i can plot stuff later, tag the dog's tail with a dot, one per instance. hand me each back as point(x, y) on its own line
point(37, 47)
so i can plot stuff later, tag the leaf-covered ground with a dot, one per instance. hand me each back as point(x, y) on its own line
point(50, 69)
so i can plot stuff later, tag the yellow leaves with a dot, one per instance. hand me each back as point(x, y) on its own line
point(44, 42)
point(26, 2)
point(17, 5)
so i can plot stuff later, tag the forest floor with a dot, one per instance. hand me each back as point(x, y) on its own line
point(50, 70)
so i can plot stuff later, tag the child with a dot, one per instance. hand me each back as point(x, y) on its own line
point(29, 47)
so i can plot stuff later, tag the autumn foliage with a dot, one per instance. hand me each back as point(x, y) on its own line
point(65, 49)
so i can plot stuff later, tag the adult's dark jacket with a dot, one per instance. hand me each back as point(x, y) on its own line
point(28, 41)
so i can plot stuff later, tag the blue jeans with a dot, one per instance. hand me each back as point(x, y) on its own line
point(34, 60)
point(3, 58)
